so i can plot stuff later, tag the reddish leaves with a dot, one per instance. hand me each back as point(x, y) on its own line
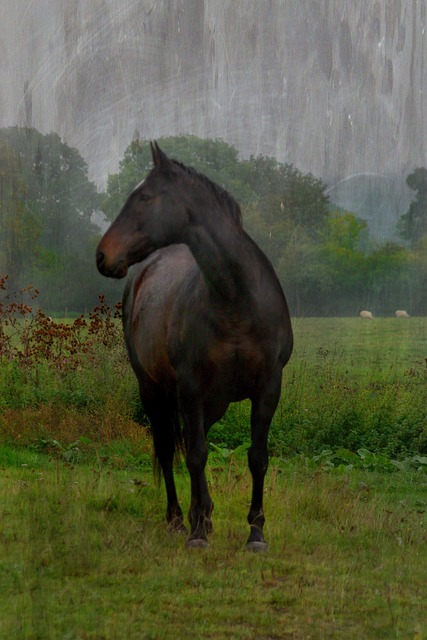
point(29, 336)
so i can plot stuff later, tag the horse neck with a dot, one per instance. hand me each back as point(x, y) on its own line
point(223, 252)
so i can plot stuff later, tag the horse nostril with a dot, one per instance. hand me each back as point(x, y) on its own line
point(100, 258)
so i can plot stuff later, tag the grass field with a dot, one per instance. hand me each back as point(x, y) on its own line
point(84, 549)
point(383, 348)
point(350, 383)
point(85, 553)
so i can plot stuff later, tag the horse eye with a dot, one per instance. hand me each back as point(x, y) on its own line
point(144, 197)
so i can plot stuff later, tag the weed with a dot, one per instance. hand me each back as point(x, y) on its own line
point(71, 453)
point(28, 336)
point(344, 460)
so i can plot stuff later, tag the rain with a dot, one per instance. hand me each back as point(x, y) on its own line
point(336, 89)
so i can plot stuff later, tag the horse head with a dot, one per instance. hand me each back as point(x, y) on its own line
point(153, 216)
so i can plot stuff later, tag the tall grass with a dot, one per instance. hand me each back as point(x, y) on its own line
point(349, 383)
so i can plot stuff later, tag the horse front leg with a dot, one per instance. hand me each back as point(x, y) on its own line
point(263, 408)
point(196, 457)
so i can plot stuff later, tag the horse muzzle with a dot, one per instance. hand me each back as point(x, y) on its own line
point(117, 269)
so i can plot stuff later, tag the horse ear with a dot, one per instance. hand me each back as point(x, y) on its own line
point(160, 159)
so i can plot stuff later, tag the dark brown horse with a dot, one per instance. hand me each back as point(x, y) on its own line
point(205, 323)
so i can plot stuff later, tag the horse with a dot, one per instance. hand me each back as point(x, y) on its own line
point(205, 322)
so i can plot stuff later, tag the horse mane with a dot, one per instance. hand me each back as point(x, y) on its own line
point(225, 200)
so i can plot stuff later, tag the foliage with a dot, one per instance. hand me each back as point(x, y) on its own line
point(282, 193)
point(417, 268)
point(343, 232)
point(388, 270)
point(19, 227)
point(345, 491)
point(344, 262)
point(58, 190)
point(413, 224)
point(71, 453)
point(214, 158)
point(344, 460)
point(363, 389)
point(46, 231)
point(322, 256)
point(28, 336)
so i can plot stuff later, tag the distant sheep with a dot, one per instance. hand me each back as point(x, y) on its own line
point(400, 313)
point(367, 315)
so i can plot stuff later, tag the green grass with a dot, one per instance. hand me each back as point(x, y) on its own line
point(84, 549)
point(85, 553)
point(381, 349)
point(350, 383)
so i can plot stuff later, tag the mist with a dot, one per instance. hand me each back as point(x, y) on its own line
point(336, 87)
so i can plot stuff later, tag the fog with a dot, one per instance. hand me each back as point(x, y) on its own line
point(336, 87)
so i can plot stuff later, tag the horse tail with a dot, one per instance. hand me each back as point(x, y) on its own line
point(178, 435)
point(175, 436)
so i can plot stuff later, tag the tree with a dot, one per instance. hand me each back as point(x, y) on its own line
point(284, 192)
point(214, 158)
point(58, 189)
point(345, 263)
point(294, 252)
point(344, 231)
point(412, 225)
point(19, 229)
point(417, 286)
point(303, 274)
point(389, 277)
point(286, 217)
point(320, 256)
point(58, 198)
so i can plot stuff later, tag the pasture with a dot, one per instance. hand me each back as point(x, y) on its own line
point(85, 553)
point(84, 548)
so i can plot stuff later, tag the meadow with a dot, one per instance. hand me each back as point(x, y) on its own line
point(350, 383)
point(85, 553)
point(84, 548)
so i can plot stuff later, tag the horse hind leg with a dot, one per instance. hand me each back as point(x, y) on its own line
point(166, 435)
point(196, 457)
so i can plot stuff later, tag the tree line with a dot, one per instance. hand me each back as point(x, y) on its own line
point(324, 256)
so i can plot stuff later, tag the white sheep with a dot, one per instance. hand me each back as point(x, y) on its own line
point(400, 313)
point(366, 314)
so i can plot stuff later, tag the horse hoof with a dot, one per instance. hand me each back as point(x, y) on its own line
point(257, 546)
point(197, 543)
